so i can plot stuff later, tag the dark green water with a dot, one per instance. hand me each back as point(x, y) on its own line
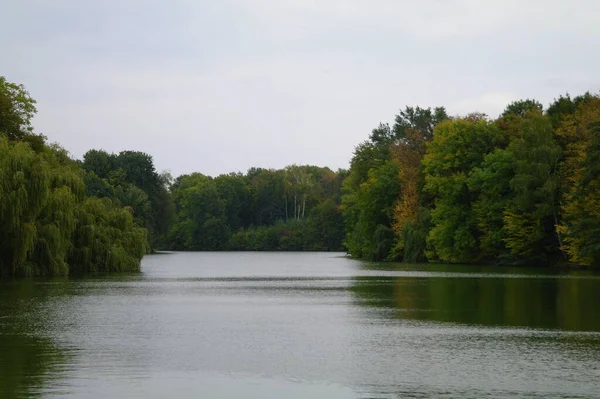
point(302, 325)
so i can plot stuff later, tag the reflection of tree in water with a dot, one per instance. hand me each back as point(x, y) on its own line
point(28, 360)
point(563, 303)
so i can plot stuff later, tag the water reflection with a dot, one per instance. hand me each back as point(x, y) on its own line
point(549, 301)
point(239, 325)
point(30, 364)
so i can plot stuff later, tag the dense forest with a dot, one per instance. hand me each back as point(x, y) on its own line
point(293, 209)
point(520, 189)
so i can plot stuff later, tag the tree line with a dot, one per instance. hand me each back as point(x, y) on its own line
point(519, 189)
point(292, 209)
point(106, 211)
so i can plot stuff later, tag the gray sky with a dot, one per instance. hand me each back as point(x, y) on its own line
point(222, 85)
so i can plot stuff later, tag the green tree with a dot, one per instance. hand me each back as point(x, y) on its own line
point(268, 196)
point(17, 109)
point(565, 106)
point(532, 214)
point(417, 119)
point(491, 183)
point(201, 221)
point(521, 108)
point(458, 146)
point(235, 193)
point(106, 238)
point(99, 162)
point(516, 187)
point(369, 213)
point(325, 227)
point(121, 177)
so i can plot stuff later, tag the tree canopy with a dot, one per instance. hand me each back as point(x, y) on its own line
point(520, 189)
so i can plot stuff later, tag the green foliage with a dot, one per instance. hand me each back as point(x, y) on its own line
point(414, 239)
point(24, 189)
point(289, 209)
point(580, 172)
point(473, 190)
point(516, 205)
point(47, 224)
point(521, 108)
point(565, 106)
point(106, 238)
point(201, 222)
point(530, 216)
point(99, 162)
point(130, 179)
point(522, 189)
point(323, 231)
point(235, 192)
point(325, 228)
point(458, 146)
point(422, 120)
point(369, 213)
point(49, 227)
point(17, 108)
point(491, 182)
point(268, 196)
point(372, 175)
point(413, 129)
point(382, 189)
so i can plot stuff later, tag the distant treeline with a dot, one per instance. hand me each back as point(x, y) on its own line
point(293, 209)
point(521, 189)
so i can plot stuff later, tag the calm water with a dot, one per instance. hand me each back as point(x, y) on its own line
point(290, 325)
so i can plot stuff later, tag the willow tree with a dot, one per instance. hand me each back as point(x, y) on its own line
point(24, 190)
point(106, 238)
point(44, 213)
point(49, 227)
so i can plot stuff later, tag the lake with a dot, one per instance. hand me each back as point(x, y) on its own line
point(302, 325)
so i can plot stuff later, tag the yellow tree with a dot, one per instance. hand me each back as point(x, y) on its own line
point(412, 130)
point(580, 175)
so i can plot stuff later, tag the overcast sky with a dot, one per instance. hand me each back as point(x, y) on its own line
point(222, 85)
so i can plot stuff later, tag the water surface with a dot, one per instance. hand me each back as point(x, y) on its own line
point(299, 325)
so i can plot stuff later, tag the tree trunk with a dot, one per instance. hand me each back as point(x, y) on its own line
point(303, 205)
point(295, 207)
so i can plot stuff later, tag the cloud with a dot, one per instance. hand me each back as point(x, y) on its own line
point(215, 86)
point(429, 19)
point(492, 104)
